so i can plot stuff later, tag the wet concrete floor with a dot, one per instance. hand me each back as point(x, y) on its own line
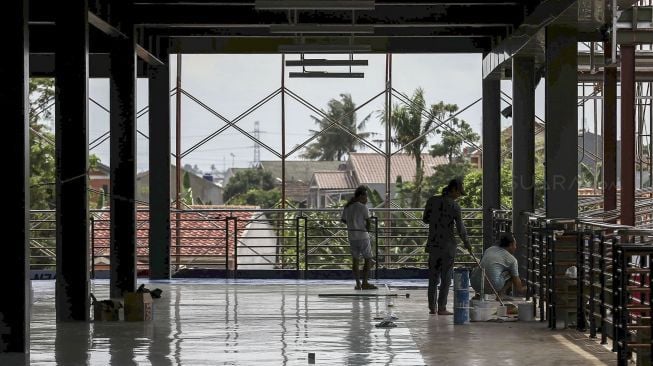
point(253, 322)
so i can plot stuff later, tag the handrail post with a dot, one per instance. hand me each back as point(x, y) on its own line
point(376, 248)
point(305, 248)
point(297, 266)
point(604, 336)
point(235, 218)
point(92, 247)
point(226, 246)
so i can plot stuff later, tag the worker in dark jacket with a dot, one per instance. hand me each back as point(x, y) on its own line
point(441, 214)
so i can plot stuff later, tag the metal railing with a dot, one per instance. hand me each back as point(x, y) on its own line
point(236, 239)
point(612, 287)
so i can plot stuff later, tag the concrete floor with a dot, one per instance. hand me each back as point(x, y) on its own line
point(245, 322)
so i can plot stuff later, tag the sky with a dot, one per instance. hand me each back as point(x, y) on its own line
point(231, 83)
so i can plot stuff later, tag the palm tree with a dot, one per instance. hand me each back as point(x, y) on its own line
point(410, 129)
point(335, 143)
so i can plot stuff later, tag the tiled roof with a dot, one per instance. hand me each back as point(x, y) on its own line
point(202, 233)
point(297, 191)
point(299, 170)
point(370, 168)
point(333, 180)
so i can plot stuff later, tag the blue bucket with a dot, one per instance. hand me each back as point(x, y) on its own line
point(461, 295)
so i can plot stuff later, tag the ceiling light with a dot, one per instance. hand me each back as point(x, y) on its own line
point(321, 28)
point(324, 48)
point(314, 4)
point(323, 62)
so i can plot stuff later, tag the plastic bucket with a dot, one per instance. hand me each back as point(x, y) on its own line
point(461, 295)
point(526, 311)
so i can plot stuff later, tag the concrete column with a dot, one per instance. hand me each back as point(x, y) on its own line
point(523, 148)
point(123, 153)
point(71, 121)
point(609, 134)
point(627, 53)
point(159, 127)
point(561, 175)
point(14, 271)
point(491, 156)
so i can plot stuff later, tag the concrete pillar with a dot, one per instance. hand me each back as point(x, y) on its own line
point(561, 173)
point(14, 271)
point(523, 148)
point(491, 156)
point(159, 127)
point(123, 153)
point(71, 121)
point(609, 134)
point(627, 53)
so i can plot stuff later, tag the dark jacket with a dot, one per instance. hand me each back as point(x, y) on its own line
point(441, 214)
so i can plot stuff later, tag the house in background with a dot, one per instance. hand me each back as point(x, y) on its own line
point(298, 175)
point(367, 169)
point(204, 190)
point(330, 187)
point(100, 178)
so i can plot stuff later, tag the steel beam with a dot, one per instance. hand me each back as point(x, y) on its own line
point(14, 103)
point(561, 105)
point(523, 149)
point(491, 156)
point(159, 127)
point(123, 155)
point(71, 121)
point(545, 13)
point(609, 135)
point(627, 134)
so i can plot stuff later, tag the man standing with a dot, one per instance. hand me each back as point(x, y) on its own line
point(357, 218)
point(442, 213)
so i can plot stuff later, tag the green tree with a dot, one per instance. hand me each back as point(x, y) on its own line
point(258, 197)
point(410, 127)
point(248, 179)
point(334, 143)
point(453, 138)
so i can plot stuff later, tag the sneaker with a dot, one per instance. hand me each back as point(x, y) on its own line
point(444, 312)
point(368, 286)
point(431, 311)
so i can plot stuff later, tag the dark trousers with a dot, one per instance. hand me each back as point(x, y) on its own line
point(440, 270)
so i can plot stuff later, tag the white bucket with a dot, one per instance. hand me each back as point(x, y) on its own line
point(502, 310)
point(479, 314)
point(526, 311)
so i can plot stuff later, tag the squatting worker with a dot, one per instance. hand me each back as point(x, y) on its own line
point(357, 217)
point(500, 267)
point(441, 214)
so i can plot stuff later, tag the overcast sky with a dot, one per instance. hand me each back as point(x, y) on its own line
point(230, 84)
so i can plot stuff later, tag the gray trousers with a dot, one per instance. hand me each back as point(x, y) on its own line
point(440, 270)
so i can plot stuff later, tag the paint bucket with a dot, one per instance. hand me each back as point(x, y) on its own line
point(461, 295)
point(526, 311)
point(502, 310)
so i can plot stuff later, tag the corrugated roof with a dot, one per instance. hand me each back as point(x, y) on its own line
point(333, 180)
point(370, 168)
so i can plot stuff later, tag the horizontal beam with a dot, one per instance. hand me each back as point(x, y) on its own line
point(317, 5)
point(42, 65)
point(385, 31)
point(545, 13)
point(378, 45)
point(324, 62)
point(377, 2)
point(322, 28)
point(179, 15)
point(326, 75)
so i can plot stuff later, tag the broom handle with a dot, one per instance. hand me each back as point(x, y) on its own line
point(488, 280)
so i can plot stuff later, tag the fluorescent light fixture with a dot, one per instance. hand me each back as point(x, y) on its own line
point(321, 28)
point(322, 74)
point(324, 48)
point(314, 4)
point(324, 62)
